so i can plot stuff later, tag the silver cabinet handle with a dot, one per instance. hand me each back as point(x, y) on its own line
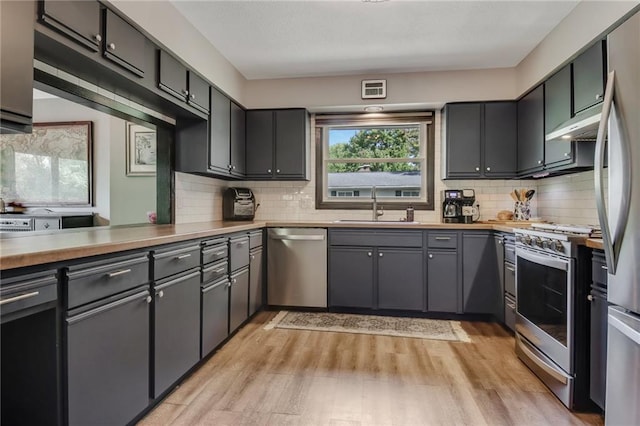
point(539, 161)
point(149, 299)
point(268, 170)
point(228, 284)
point(511, 269)
point(566, 154)
point(241, 243)
point(605, 267)
point(443, 238)
point(97, 38)
point(590, 298)
point(234, 280)
point(115, 274)
point(500, 242)
point(218, 253)
point(277, 170)
point(185, 92)
point(369, 253)
point(598, 96)
point(380, 254)
point(183, 256)
point(21, 297)
point(511, 305)
point(477, 169)
point(193, 96)
point(430, 256)
point(219, 270)
point(161, 294)
point(488, 169)
point(253, 257)
point(112, 46)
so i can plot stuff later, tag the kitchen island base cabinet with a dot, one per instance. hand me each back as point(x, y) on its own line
point(177, 328)
point(351, 277)
point(107, 352)
point(238, 299)
point(442, 279)
point(215, 315)
point(400, 279)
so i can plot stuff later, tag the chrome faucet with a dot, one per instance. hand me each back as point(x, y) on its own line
point(375, 212)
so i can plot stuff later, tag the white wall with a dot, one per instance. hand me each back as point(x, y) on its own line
point(130, 197)
point(60, 110)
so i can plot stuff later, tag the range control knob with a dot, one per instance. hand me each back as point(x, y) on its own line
point(546, 244)
point(537, 241)
point(557, 245)
point(526, 240)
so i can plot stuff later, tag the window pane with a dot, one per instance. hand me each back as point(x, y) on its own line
point(388, 183)
point(380, 142)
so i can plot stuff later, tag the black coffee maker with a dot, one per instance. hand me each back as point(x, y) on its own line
point(452, 206)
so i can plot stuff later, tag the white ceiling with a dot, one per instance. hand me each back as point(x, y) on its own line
point(280, 39)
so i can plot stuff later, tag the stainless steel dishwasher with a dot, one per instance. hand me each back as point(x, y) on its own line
point(297, 267)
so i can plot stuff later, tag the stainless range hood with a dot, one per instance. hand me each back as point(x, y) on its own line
point(582, 127)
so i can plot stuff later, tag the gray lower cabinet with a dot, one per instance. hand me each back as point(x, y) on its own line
point(238, 299)
point(442, 279)
point(498, 241)
point(256, 280)
point(480, 281)
point(351, 277)
point(107, 353)
point(177, 328)
point(400, 279)
point(215, 315)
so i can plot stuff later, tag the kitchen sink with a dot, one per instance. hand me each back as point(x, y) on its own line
point(373, 222)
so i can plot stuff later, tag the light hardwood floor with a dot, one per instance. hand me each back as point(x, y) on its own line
point(293, 377)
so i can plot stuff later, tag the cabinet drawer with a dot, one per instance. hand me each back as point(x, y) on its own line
point(510, 253)
point(215, 271)
point(24, 293)
point(239, 252)
point(443, 240)
point(255, 239)
point(42, 224)
point(510, 278)
point(599, 270)
point(96, 280)
point(174, 259)
point(376, 238)
point(215, 252)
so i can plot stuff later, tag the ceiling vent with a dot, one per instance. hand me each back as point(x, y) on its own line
point(374, 89)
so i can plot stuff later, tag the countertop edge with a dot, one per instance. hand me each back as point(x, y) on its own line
point(65, 246)
point(594, 243)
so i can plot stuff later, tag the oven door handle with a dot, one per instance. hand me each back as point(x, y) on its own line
point(544, 260)
point(541, 363)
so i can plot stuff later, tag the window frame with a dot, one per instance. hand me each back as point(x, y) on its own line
point(426, 119)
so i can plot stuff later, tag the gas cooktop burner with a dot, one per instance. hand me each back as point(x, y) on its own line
point(558, 228)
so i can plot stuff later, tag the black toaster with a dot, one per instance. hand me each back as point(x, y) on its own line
point(238, 204)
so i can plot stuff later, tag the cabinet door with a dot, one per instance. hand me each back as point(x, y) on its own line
point(219, 150)
point(480, 282)
point(500, 139)
point(78, 20)
point(598, 358)
point(557, 110)
point(238, 299)
point(589, 77)
point(463, 139)
point(256, 280)
point(531, 131)
point(498, 242)
point(172, 77)
point(16, 66)
point(107, 362)
point(290, 146)
point(351, 277)
point(238, 140)
point(199, 96)
point(215, 315)
point(259, 143)
point(442, 281)
point(124, 44)
point(401, 282)
point(177, 329)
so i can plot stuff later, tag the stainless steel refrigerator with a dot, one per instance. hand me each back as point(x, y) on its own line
point(620, 220)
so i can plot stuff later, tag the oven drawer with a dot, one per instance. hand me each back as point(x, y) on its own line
point(510, 278)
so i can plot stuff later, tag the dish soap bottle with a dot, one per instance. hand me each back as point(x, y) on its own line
point(410, 213)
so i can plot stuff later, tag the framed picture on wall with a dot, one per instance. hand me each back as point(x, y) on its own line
point(141, 150)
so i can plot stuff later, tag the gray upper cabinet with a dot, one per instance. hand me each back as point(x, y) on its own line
point(589, 71)
point(238, 140)
point(78, 20)
point(16, 74)
point(124, 44)
point(277, 144)
point(172, 77)
point(219, 144)
point(199, 96)
point(557, 110)
point(480, 279)
point(481, 140)
point(531, 131)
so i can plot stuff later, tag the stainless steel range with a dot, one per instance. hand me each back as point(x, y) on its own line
point(552, 284)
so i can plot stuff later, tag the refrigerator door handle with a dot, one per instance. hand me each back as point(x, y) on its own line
point(632, 331)
point(611, 242)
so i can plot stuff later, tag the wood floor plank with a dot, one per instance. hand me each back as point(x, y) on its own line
point(301, 377)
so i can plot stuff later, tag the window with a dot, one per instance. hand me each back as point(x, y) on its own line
point(389, 153)
point(49, 167)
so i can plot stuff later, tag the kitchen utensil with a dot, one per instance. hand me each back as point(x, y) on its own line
point(522, 197)
point(516, 195)
point(529, 194)
point(513, 195)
